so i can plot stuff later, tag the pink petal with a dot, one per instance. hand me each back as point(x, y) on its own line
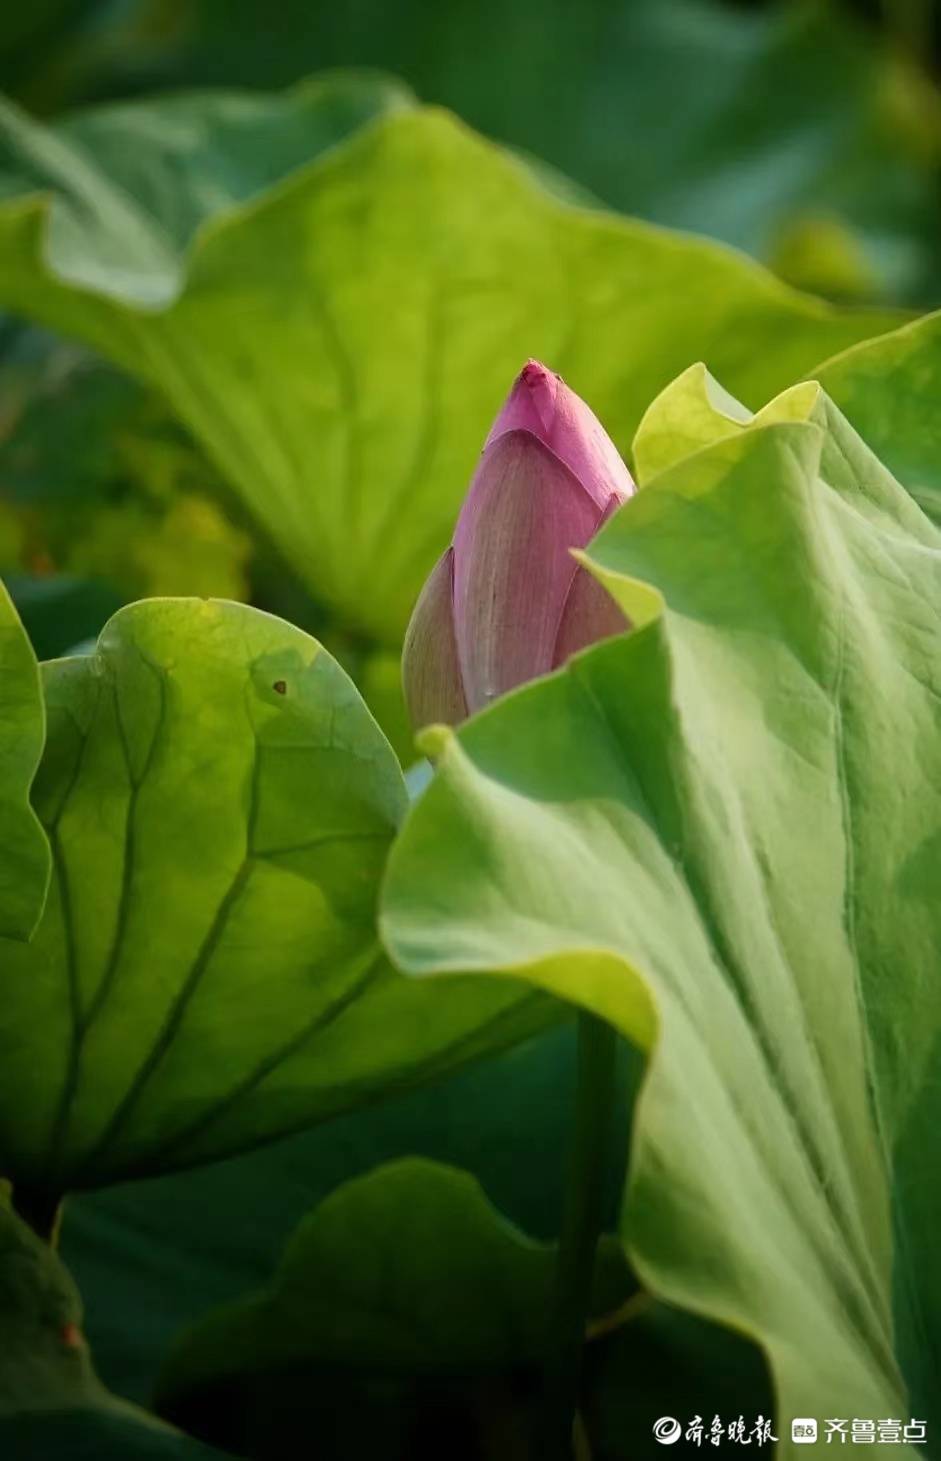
point(512, 566)
point(590, 614)
point(431, 676)
point(542, 403)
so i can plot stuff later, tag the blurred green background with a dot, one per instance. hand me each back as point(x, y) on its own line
point(804, 131)
point(806, 134)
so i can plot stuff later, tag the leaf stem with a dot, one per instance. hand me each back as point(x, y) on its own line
point(581, 1224)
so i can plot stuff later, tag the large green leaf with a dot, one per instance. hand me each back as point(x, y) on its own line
point(721, 833)
point(407, 1269)
point(406, 1281)
point(24, 851)
point(207, 972)
point(340, 343)
point(889, 390)
point(137, 183)
point(179, 1245)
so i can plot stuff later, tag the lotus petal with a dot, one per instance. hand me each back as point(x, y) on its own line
point(542, 403)
point(431, 676)
point(512, 565)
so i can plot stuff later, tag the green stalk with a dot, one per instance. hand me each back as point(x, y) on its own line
point(581, 1224)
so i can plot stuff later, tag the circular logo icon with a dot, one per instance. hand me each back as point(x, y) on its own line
point(666, 1430)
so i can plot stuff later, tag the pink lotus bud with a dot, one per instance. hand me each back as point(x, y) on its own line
point(507, 601)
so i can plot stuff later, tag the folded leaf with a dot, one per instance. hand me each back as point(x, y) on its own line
point(721, 832)
point(339, 357)
point(24, 851)
point(207, 973)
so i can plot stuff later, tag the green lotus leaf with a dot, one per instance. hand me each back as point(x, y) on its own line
point(691, 412)
point(408, 1268)
point(207, 972)
point(405, 1306)
point(721, 832)
point(889, 390)
point(123, 227)
point(24, 851)
point(695, 411)
point(351, 444)
point(177, 1246)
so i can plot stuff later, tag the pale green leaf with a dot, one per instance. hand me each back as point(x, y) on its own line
point(721, 832)
point(695, 411)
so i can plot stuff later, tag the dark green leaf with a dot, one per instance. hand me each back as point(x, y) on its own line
point(409, 1269)
point(177, 1246)
point(406, 1281)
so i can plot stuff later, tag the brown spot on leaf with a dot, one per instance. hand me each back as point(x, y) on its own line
point(280, 687)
